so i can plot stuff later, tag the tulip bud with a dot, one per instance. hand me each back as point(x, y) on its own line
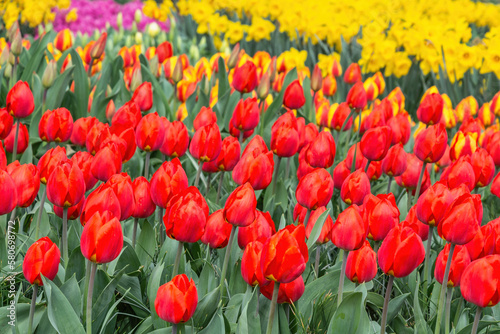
point(433, 204)
point(50, 74)
point(217, 231)
point(321, 151)
point(136, 80)
point(17, 44)
point(66, 185)
point(102, 238)
point(381, 213)
point(361, 265)
point(150, 133)
point(431, 143)
point(245, 77)
point(495, 186)
point(376, 142)
point(462, 220)
point(356, 98)
point(416, 225)
point(352, 74)
point(234, 57)
point(240, 206)
point(315, 189)
point(316, 79)
point(56, 125)
point(84, 161)
point(285, 135)
point(394, 163)
point(176, 300)
point(177, 73)
point(251, 270)
point(355, 187)
point(107, 162)
point(98, 48)
point(27, 180)
point(246, 115)
point(4, 56)
point(401, 128)
point(176, 139)
point(256, 166)
point(20, 101)
point(479, 284)
point(42, 258)
point(262, 88)
point(11, 33)
point(6, 123)
point(350, 230)
point(294, 95)
point(138, 16)
point(206, 143)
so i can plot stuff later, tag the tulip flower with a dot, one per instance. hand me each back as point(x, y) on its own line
point(326, 230)
point(102, 199)
point(416, 225)
point(459, 262)
point(462, 220)
point(205, 145)
point(354, 156)
point(356, 97)
point(433, 204)
point(341, 119)
point(316, 79)
point(106, 163)
point(376, 142)
point(463, 144)
point(288, 292)
point(228, 157)
point(96, 136)
point(27, 180)
point(315, 189)
point(355, 187)
point(430, 143)
point(23, 139)
point(329, 86)
point(66, 185)
point(63, 40)
point(7, 186)
point(81, 128)
point(394, 164)
point(127, 116)
point(176, 139)
point(20, 102)
point(294, 95)
point(217, 231)
point(321, 151)
point(246, 115)
point(6, 122)
point(251, 271)
point(493, 147)
point(206, 116)
point(361, 264)
point(176, 300)
point(430, 109)
point(84, 161)
point(495, 186)
point(143, 96)
point(168, 180)
point(73, 211)
point(150, 133)
point(255, 166)
point(401, 128)
point(245, 77)
point(49, 161)
point(240, 206)
point(352, 74)
point(483, 166)
point(262, 228)
point(56, 125)
point(381, 213)
point(340, 173)
point(122, 187)
point(285, 135)
point(460, 172)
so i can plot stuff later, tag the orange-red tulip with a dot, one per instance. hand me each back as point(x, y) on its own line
point(66, 185)
point(361, 265)
point(176, 300)
point(20, 102)
point(459, 262)
point(350, 230)
point(102, 238)
point(42, 258)
point(480, 284)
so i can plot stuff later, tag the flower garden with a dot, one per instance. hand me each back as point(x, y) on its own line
point(273, 166)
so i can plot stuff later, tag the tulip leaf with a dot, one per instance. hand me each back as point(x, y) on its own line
point(76, 264)
point(206, 308)
point(105, 297)
point(27, 156)
point(216, 325)
point(155, 280)
point(395, 305)
point(351, 316)
point(61, 314)
point(421, 325)
point(128, 260)
point(36, 53)
point(82, 90)
point(72, 291)
point(144, 248)
point(56, 92)
point(485, 321)
point(158, 91)
point(111, 311)
point(316, 231)
point(275, 106)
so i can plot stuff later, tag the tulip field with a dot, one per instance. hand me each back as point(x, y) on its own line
point(201, 166)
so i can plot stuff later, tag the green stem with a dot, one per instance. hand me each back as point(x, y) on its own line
point(275, 177)
point(449, 294)
point(198, 173)
point(65, 236)
point(272, 310)
point(162, 227)
point(13, 217)
point(427, 274)
point(342, 276)
point(408, 199)
point(226, 261)
point(389, 185)
point(386, 304)
point(316, 261)
point(134, 232)
point(89, 296)
point(353, 165)
point(174, 328)
point(419, 184)
point(306, 218)
point(32, 308)
point(442, 296)
point(219, 188)
point(146, 165)
point(476, 320)
point(89, 71)
point(87, 279)
point(240, 140)
point(180, 247)
point(16, 137)
point(209, 179)
point(287, 170)
point(367, 166)
point(39, 216)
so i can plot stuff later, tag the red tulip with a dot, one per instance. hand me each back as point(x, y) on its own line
point(340, 116)
point(255, 166)
point(459, 262)
point(285, 255)
point(102, 238)
point(285, 135)
point(49, 161)
point(168, 180)
point(495, 186)
point(361, 265)
point(315, 189)
point(100, 200)
point(217, 231)
point(106, 163)
point(27, 180)
point(352, 74)
point(122, 187)
point(360, 161)
point(433, 204)
point(460, 172)
point(143, 96)
point(20, 102)
point(329, 85)
point(250, 264)
point(176, 139)
point(461, 221)
point(430, 143)
point(150, 133)
point(23, 139)
point(186, 215)
point(7, 186)
point(475, 247)
point(493, 147)
point(430, 109)
point(56, 125)
point(350, 230)
point(81, 127)
point(262, 228)
point(401, 128)
point(42, 258)
point(96, 136)
point(206, 116)
point(316, 79)
point(240, 206)
point(340, 173)
point(3, 157)
point(206, 143)
point(294, 95)
point(416, 225)
point(246, 115)
point(6, 122)
point(491, 233)
point(326, 230)
point(394, 163)
point(143, 204)
point(127, 116)
point(233, 131)
point(84, 161)
point(483, 166)
point(228, 157)
point(176, 300)
point(321, 151)
point(287, 292)
point(381, 214)
point(73, 211)
point(409, 178)
point(480, 282)
point(66, 185)
point(245, 77)
point(401, 252)
point(356, 98)
point(355, 187)
point(376, 142)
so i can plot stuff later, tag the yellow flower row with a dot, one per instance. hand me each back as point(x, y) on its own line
point(31, 12)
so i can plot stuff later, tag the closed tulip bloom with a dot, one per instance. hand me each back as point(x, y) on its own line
point(409, 178)
point(463, 144)
point(245, 77)
point(376, 142)
point(356, 98)
point(66, 185)
point(355, 187)
point(186, 216)
point(460, 222)
point(326, 231)
point(480, 284)
point(401, 252)
point(6, 122)
point(84, 161)
point(360, 161)
point(73, 211)
point(176, 300)
point(255, 167)
point(394, 163)
point(285, 255)
point(491, 232)
point(340, 173)
point(401, 128)
point(483, 166)
point(350, 230)
point(27, 180)
point(102, 238)
point(374, 171)
point(415, 224)
point(49, 161)
point(42, 258)
point(206, 116)
point(127, 116)
point(475, 247)
point(433, 204)
point(100, 200)
point(361, 265)
point(288, 293)
point(81, 128)
point(122, 186)
point(23, 139)
point(143, 204)
point(251, 271)
point(493, 147)
point(316, 79)
point(430, 109)
point(381, 214)
point(371, 89)
point(321, 151)
point(228, 157)
point(294, 95)
point(63, 40)
point(20, 102)
point(56, 125)
point(150, 133)
point(460, 172)
point(233, 131)
point(329, 85)
point(315, 189)
point(240, 206)
point(106, 163)
point(176, 139)
point(430, 143)
point(217, 231)
point(3, 157)
point(96, 136)
point(168, 180)
point(206, 143)
point(352, 74)
point(495, 186)
point(340, 116)
point(262, 228)
point(246, 115)
point(7, 186)
point(459, 262)
point(143, 96)
point(285, 135)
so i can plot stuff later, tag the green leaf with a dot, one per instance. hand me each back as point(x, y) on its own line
point(249, 321)
point(111, 311)
point(316, 231)
point(105, 298)
point(56, 92)
point(350, 317)
point(421, 325)
point(61, 314)
point(82, 90)
point(395, 305)
point(216, 325)
point(145, 249)
point(71, 290)
point(206, 308)
point(76, 265)
point(153, 285)
point(157, 89)
point(128, 260)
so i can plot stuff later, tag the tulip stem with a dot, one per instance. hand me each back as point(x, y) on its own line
point(349, 135)
point(306, 218)
point(389, 185)
point(272, 310)
point(198, 173)
point(219, 188)
point(89, 71)
point(419, 184)
point(39, 216)
point(359, 124)
point(275, 177)
point(342, 276)
point(209, 179)
point(367, 166)
point(16, 138)
point(226, 260)
point(162, 227)
point(442, 296)
point(93, 269)
point(427, 274)
point(180, 247)
point(65, 236)
point(240, 139)
point(32, 308)
point(134, 232)
point(316, 261)
point(287, 170)
point(146, 165)
point(386, 304)
point(174, 328)
point(353, 165)
point(449, 294)
point(476, 320)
